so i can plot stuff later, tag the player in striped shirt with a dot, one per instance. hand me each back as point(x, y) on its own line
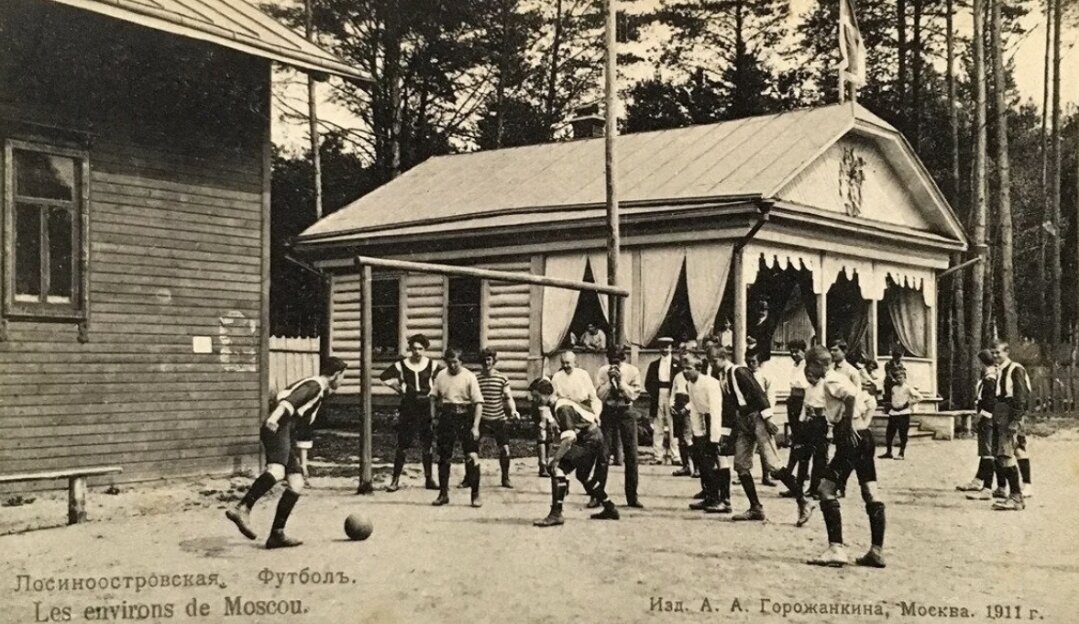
point(299, 404)
point(1009, 440)
point(498, 407)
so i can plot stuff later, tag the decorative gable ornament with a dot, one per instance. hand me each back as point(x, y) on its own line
point(851, 177)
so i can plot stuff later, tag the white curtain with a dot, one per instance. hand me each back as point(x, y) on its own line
point(707, 268)
point(660, 270)
point(559, 304)
point(598, 261)
point(908, 312)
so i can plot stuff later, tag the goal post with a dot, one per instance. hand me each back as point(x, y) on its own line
point(365, 264)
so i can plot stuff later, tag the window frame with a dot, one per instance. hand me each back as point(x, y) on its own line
point(450, 341)
point(394, 350)
point(77, 309)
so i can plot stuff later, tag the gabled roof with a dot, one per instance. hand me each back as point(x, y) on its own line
point(232, 24)
point(743, 159)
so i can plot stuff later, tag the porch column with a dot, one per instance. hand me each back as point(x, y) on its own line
point(822, 318)
point(873, 329)
point(535, 321)
point(633, 312)
point(931, 346)
point(740, 321)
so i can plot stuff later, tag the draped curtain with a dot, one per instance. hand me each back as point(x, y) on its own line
point(858, 334)
point(660, 270)
point(707, 269)
point(598, 262)
point(559, 304)
point(809, 298)
point(908, 313)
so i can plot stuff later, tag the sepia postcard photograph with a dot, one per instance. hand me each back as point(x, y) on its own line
point(539, 311)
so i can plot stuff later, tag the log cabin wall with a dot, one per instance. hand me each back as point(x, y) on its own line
point(177, 148)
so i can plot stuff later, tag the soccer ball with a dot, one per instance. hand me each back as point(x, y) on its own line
point(358, 527)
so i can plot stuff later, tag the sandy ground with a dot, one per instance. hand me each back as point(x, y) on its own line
point(458, 564)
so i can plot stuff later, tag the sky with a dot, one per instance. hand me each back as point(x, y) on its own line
point(1027, 54)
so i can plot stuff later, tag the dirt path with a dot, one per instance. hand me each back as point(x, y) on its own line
point(458, 564)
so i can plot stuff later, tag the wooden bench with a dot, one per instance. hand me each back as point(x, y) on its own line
point(76, 485)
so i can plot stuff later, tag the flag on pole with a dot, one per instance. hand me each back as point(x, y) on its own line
point(851, 46)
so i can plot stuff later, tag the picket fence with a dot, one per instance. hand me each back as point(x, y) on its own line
point(1054, 392)
point(291, 359)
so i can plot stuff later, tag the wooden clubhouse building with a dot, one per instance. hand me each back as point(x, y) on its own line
point(825, 216)
point(135, 203)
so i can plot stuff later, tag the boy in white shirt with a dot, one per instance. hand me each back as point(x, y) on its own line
point(845, 406)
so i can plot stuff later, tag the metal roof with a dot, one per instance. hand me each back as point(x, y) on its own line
point(232, 24)
point(741, 159)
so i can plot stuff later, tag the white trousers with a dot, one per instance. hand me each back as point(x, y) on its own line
point(663, 429)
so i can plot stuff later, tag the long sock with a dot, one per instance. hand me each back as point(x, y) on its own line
point(785, 477)
point(541, 454)
point(444, 478)
point(725, 484)
point(683, 450)
point(263, 484)
point(1024, 469)
point(803, 472)
point(474, 477)
point(749, 488)
point(1002, 478)
point(398, 464)
point(875, 511)
point(284, 508)
point(559, 487)
point(889, 434)
point(833, 520)
point(428, 459)
point(1011, 473)
point(985, 472)
point(504, 462)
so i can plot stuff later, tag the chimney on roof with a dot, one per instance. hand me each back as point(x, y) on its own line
point(587, 123)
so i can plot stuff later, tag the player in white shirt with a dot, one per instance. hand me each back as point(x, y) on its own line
point(846, 408)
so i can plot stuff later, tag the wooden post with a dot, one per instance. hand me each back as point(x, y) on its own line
point(822, 317)
point(874, 330)
point(535, 321)
point(614, 236)
point(741, 323)
point(366, 480)
point(325, 333)
point(76, 500)
point(312, 113)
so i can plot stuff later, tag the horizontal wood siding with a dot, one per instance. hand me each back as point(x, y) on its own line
point(506, 323)
point(174, 253)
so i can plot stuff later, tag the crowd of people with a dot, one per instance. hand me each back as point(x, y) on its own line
point(710, 416)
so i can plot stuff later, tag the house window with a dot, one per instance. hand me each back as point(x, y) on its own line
point(45, 230)
point(463, 314)
point(385, 316)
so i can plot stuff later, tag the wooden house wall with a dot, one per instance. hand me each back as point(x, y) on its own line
point(176, 245)
point(423, 300)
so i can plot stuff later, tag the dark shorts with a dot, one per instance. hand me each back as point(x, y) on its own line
point(581, 457)
point(858, 459)
point(985, 436)
point(1007, 435)
point(496, 429)
point(303, 434)
point(414, 420)
point(453, 427)
point(280, 446)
